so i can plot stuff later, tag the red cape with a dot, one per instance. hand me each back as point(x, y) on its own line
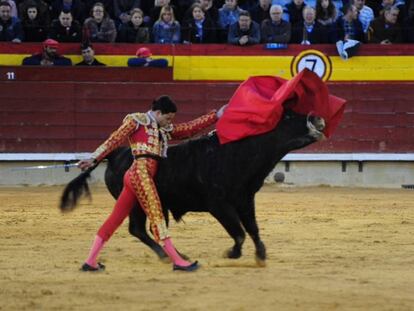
point(257, 105)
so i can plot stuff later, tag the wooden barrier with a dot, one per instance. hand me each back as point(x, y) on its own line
point(75, 116)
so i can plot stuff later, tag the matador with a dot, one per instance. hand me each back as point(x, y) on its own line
point(148, 134)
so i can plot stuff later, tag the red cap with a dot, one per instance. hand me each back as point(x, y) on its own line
point(50, 43)
point(143, 52)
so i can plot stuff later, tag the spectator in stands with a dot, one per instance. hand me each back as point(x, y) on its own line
point(200, 28)
point(13, 12)
point(42, 10)
point(326, 13)
point(35, 30)
point(385, 29)
point(365, 14)
point(166, 29)
point(134, 31)
point(108, 5)
point(156, 10)
point(76, 7)
point(402, 14)
point(295, 11)
point(229, 14)
point(283, 4)
point(245, 31)
point(88, 55)
point(348, 26)
point(99, 27)
point(10, 27)
point(310, 31)
point(48, 56)
point(275, 29)
point(122, 9)
point(260, 11)
point(144, 59)
point(65, 29)
point(210, 10)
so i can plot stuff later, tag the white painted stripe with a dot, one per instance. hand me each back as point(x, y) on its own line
point(290, 157)
point(43, 156)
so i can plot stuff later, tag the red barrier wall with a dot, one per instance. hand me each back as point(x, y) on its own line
point(74, 116)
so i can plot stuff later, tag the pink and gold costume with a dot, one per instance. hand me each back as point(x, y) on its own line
point(147, 142)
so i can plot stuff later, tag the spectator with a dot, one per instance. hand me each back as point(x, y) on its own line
point(65, 29)
point(76, 7)
point(200, 28)
point(385, 29)
point(166, 29)
point(365, 14)
point(326, 13)
point(283, 4)
point(210, 10)
point(42, 9)
point(348, 26)
point(134, 31)
point(245, 31)
point(108, 5)
point(35, 30)
point(295, 11)
point(229, 14)
point(48, 56)
point(99, 27)
point(122, 9)
point(88, 55)
point(156, 10)
point(13, 12)
point(402, 14)
point(275, 29)
point(311, 31)
point(260, 11)
point(10, 27)
point(144, 59)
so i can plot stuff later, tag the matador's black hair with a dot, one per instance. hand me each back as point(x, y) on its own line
point(165, 104)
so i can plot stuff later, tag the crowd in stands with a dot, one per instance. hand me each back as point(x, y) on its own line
point(243, 22)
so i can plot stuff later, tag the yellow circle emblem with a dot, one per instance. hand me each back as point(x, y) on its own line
point(314, 60)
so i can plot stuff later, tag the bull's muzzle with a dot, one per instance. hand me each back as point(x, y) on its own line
point(316, 125)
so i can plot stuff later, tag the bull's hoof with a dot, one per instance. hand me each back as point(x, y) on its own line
point(232, 253)
point(260, 262)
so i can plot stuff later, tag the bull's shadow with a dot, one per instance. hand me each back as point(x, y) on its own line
point(203, 176)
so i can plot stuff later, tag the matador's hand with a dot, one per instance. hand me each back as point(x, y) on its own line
point(220, 112)
point(85, 164)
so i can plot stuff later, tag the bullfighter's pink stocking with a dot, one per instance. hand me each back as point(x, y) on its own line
point(97, 245)
point(172, 253)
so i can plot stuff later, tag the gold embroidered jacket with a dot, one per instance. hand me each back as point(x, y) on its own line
point(145, 137)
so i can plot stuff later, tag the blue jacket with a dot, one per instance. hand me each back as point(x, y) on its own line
point(228, 17)
point(163, 34)
point(10, 30)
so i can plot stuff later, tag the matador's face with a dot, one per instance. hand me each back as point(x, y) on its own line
point(165, 119)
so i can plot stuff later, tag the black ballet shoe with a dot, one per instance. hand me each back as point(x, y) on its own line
point(193, 267)
point(87, 267)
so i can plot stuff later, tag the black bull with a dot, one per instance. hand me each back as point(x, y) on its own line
point(203, 176)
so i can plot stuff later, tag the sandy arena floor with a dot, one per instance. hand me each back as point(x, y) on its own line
point(328, 249)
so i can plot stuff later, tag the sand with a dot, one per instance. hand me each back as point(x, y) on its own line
point(328, 249)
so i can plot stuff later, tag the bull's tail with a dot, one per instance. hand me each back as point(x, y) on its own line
point(75, 189)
